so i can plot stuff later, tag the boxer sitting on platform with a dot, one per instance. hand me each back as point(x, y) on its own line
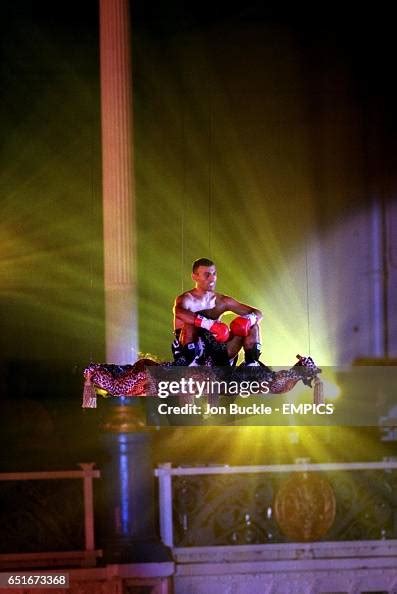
point(198, 331)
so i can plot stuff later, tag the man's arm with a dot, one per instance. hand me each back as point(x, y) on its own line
point(184, 316)
point(241, 309)
point(181, 313)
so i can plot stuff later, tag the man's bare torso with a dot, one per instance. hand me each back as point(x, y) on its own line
point(211, 305)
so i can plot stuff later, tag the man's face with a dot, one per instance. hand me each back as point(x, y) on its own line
point(205, 278)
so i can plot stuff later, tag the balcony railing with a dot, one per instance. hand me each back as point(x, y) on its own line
point(302, 502)
point(46, 512)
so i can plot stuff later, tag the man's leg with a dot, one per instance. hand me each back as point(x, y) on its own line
point(189, 333)
point(187, 348)
point(252, 348)
point(233, 346)
point(252, 345)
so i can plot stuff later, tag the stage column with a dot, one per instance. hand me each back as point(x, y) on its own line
point(128, 487)
point(128, 479)
point(118, 186)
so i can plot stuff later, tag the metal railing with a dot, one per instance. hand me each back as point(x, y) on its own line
point(88, 555)
point(191, 504)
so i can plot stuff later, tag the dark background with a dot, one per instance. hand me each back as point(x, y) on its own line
point(317, 86)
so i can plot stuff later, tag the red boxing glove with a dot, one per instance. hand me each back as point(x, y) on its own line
point(240, 326)
point(218, 329)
